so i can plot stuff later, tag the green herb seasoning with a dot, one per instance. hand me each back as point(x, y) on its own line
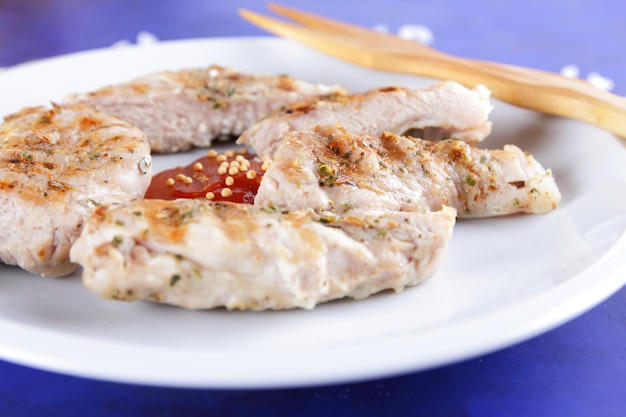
point(327, 175)
point(174, 279)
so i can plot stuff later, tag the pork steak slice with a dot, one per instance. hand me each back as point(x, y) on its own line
point(331, 169)
point(444, 110)
point(56, 164)
point(199, 255)
point(189, 108)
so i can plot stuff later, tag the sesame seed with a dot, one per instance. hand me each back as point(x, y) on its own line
point(212, 153)
point(170, 182)
point(243, 151)
point(222, 170)
point(229, 181)
point(240, 158)
point(235, 164)
point(210, 195)
point(188, 180)
point(220, 158)
point(181, 177)
point(251, 174)
point(244, 168)
point(198, 166)
point(230, 153)
point(233, 170)
point(265, 166)
point(227, 192)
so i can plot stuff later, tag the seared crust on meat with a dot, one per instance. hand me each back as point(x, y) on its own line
point(190, 108)
point(55, 165)
point(200, 255)
point(329, 169)
point(443, 110)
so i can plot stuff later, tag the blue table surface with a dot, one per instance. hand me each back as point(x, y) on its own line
point(577, 369)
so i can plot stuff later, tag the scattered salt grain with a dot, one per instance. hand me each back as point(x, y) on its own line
point(597, 80)
point(570, 71)
point(123, 42)
point(382, 28)
point(600, 81)
point(146, 38)
point(143, 38)
point(419, 33)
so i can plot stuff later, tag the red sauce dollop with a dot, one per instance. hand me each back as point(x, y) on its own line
point(231, 176)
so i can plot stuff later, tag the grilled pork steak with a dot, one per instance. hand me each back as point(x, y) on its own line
point(181, 109)
point(330, 169)
point(199, 255)
point(56, 164)
point(444, 110)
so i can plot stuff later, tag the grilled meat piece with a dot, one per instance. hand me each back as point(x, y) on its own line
point(199, 255)
point(330, 169)
point(181, 109)
point(55, 165)
point(444, 110)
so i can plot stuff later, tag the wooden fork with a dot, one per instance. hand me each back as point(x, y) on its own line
point(533, 89)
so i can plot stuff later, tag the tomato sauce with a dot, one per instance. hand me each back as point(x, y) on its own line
point(231, 176)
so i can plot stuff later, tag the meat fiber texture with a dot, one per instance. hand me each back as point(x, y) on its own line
point(444, 110)
point(331, 169)
point(189, 108)
point(199, 255)
point(56, 165)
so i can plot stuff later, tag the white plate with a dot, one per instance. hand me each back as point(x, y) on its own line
point(504, 280)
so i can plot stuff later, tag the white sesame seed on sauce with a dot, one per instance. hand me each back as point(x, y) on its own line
point(219, 169)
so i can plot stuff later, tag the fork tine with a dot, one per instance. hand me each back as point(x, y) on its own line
point(354, 49)
point(355, 32)
point(322, 41)
point(358, 36)
point(289, 29)
point(322, 23)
